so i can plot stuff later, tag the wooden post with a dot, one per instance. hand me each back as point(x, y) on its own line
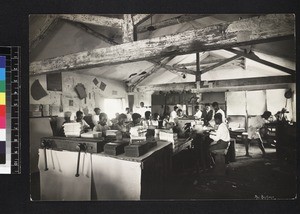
point(128, 30)
point(198, 72)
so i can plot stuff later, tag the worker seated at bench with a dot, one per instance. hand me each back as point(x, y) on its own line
point(220, 138)
point(121, 125)
point(102, 124)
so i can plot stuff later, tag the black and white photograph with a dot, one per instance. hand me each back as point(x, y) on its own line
point(162, 107)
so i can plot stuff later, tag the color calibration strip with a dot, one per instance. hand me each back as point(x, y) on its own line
point(2, 110)
point(10, 105)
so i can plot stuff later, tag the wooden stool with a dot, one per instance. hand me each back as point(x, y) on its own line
point(220, 165)
point(230, 156)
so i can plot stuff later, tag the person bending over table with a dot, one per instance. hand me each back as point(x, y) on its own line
point(83, 123)
point(67, 117)
point(102, 125)
point(254, 131)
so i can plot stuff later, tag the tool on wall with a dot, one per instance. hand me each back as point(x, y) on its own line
point(61, 109)
point(288, 95)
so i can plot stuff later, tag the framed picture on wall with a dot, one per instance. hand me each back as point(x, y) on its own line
point(54, 82)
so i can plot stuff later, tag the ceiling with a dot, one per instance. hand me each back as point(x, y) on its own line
point(67, 38)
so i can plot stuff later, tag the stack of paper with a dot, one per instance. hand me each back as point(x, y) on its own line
point(72, 129)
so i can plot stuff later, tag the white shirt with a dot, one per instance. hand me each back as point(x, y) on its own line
point(253, 129)
point(198, 114)
point(222, 133)
point(129, 117)
point(84, 124)
point(100, 128)
point(95, 119)
point(173, 115)
point(142, 110)
point(223, 115)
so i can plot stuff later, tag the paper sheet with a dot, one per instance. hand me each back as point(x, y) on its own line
point(256, 102)
point(236, 103)
point(116, 179)
point(59, 182)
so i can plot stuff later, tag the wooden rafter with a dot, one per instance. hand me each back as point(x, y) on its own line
point(93, 32)
point(221, 84)
point(181, 70)
point(44, 27)
point(156, 67)
point(206, 63)
point(255, 58)
point(140, 18)
point(231, 62)
point(221, 63)
point(93, 20)
point(258, 30)
point(172, 21)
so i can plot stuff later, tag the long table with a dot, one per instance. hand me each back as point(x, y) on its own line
point(105, 177)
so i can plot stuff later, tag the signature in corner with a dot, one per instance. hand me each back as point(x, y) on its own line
point(264, 197)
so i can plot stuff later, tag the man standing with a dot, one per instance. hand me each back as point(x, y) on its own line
point(207, 114)
point(217, 109)
point(128, 115)
point(254, 131)
point(173, 114)
point(142, 109)
point(198, 114)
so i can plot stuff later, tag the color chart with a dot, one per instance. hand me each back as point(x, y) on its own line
point(2, 110)
point(9, 110)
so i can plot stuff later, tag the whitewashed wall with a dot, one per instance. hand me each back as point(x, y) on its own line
point(95, 96)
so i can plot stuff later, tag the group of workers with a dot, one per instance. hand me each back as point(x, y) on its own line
point(211, 116)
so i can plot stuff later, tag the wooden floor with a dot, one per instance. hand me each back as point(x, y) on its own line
point(247, 178)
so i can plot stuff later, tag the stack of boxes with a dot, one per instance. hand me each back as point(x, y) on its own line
point(35, 110)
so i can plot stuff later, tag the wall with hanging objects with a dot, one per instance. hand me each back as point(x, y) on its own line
point(68, 100)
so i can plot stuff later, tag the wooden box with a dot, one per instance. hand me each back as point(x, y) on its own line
point(114, 148)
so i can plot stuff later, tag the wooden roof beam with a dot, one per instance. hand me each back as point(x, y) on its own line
point(140, 18)
point(221, 63)
point(255, 58)
point(152, 71)
point(206, 63)
point(175, 69)
point(93, 32)
point(45, 26)
point(93, 20)
point(238, 33)
point(172, 21)
point(220, 84)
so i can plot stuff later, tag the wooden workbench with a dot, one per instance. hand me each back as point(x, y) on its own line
point(132, 178)
point(105, 177)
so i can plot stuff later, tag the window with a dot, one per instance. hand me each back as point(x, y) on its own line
point(256, 102)
point(113, 106)
point(236, 103)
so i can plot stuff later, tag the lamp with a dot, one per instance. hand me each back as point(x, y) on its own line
point(151, 27)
